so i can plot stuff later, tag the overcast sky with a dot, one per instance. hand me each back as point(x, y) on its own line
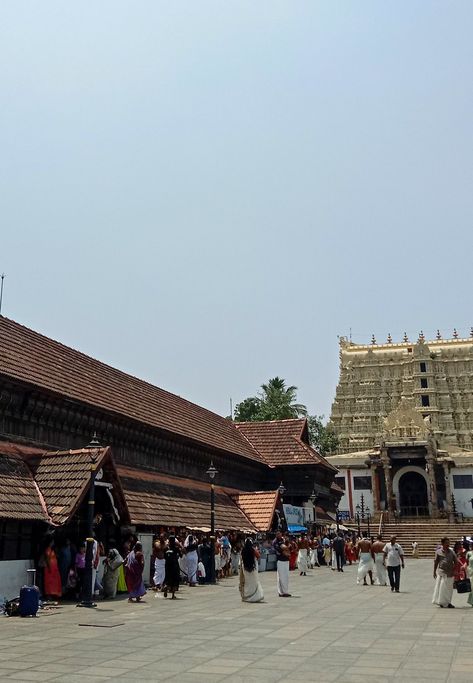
point(205, 194)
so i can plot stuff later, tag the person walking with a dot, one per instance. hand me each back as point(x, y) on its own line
point(444, 570)
point(365, 565)
point(303, 555)
point(249, 585)
point(338, 546)
point(172, 569)
point(379, 561)
point(394, 558)
point(134, 565)
point(469, 571)
point(282, 551)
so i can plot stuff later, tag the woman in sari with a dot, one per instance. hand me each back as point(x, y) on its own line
point(112, 564)
point(172, 569)
point(134, 566)
point(250, 587)
point(51, 576)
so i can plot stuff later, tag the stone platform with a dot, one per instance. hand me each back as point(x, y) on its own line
point(331, 630)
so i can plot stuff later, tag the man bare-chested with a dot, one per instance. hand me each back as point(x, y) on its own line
point(366, 564)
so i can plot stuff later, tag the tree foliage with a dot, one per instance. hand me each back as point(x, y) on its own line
point(276, 401)
point(322, 436)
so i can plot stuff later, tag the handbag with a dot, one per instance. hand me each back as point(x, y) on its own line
point(463, 586)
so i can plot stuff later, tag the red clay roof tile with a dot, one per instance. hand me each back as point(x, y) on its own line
point(35, 359)
point(259, 507)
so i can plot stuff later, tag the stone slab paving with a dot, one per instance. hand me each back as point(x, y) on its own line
point(330, 630)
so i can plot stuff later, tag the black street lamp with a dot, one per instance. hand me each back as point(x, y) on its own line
point(313, 497)
point(212, 472)
point(337, 518)
point(358, 509)
point(368, 517)
point(87, 587)
point(454, 505)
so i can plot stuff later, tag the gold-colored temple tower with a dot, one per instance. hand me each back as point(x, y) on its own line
point(435, 378)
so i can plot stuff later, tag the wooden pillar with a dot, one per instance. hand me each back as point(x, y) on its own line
point(375, 485)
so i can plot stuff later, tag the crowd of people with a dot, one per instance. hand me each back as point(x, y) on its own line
point(191, 559)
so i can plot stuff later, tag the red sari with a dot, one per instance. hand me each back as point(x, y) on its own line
point(52, 577)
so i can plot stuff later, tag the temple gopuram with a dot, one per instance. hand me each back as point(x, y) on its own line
point(403, 413)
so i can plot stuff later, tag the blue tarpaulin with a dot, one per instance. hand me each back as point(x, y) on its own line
point(295, 528)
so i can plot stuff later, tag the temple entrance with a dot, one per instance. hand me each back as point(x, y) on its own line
point(413, 496)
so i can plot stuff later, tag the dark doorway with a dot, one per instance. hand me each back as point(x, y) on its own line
point(414, 500)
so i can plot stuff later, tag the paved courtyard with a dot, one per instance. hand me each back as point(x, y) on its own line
point(331, 630)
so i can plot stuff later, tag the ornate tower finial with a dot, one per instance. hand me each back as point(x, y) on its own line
point(373, 339)
point(455, 333)
point(390, 339)
point(471, 331)
point(405, 337)
point(421, 337)
point(438, 335)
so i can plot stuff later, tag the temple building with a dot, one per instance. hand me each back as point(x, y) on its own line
point(154, 452)
point(403, 413)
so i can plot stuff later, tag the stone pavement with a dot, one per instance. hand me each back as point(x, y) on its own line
point(331, 630)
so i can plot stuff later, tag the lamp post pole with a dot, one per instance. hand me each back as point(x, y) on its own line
point(87, 587)
point(212, 472)
point(313, 498)
point(358, 519)
point(282, 490)
point(368, 517)
point(337, 518)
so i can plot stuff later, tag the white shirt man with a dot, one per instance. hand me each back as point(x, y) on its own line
point(394, 558)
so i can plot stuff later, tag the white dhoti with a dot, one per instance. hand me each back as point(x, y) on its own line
point(381, 573)
point(365, 565)
point(314, 560)
point(283, 577)
point(218, 563)
point(183, 566)
point(302, 560)
point(192, 562)
point(443, 590)
point(159, 571)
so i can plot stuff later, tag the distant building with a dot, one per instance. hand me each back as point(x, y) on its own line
point(403, 413)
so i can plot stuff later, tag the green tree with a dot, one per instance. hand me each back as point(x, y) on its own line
point(322, 436)
point(279, 402)
point(276, 401)
point(248, 410)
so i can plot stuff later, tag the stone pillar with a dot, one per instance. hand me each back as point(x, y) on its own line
point(389, 482)
point(448, 487)
point(432, 484)
point(375, 488)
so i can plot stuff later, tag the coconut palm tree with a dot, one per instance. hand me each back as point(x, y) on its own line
point(278, 402)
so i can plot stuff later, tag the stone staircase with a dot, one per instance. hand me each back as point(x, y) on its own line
point(427, 533)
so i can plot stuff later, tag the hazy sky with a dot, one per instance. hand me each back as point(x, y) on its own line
point(205, 194)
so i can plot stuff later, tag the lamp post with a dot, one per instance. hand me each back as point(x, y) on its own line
point(87, 587)
point(282, 491)
point(337, 518)
point(358, 508)
point(454, 506)
point(313, 498)
point(368, 517)
point(212, 472)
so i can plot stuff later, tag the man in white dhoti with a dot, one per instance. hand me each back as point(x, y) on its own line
point(159, 563)
point(281, 549)
point(379, 561)
point(366, 564)
point(192, 559)
point(444, 566)
point(303, 555)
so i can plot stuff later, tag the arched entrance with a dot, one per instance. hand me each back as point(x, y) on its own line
point(413, 495)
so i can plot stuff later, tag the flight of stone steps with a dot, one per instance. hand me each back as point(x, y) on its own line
point(427, 533)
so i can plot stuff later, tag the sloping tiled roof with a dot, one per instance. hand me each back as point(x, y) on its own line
point(19, 495)
point(281, 442)
point(259, 507)
point(161, 500)
point(63, 479)
point(35, 359)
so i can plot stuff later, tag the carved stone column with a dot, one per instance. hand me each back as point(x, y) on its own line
point(448, 487)
point(375, 488)
point(387, 469)
point(432, 484)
